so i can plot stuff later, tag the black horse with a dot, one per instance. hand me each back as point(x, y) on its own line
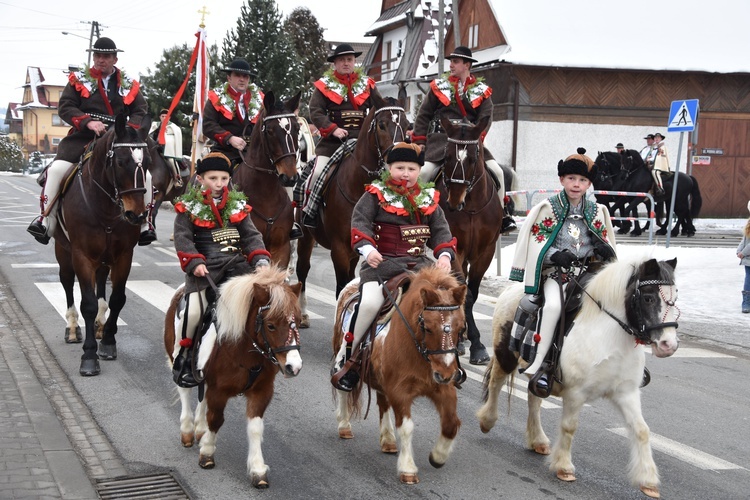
point(634, 176)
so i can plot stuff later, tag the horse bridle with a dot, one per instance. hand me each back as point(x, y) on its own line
point(291, 146)
point(461, 146)
point(268, 352)
point(137, 153)
point(641, 331)
point(395, 116)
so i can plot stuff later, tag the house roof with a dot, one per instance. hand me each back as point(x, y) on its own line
point(37, 79)
point(391, 17)
point(13, 113)
point(357, 46)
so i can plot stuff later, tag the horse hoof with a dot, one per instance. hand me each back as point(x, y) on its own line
point(434, 463)
point(199, 436)
point(479, 357)
point(206, 462)
point(650, 491)
point(485, 429)
point(304, 322)
point(409, 478)
point(187, 439)
point(107, 352)
point(541, 449)
point(260, 481)
point(73, 337)
point(563, 475)
point(389, 448)
point(90, 367)
point(346, 433)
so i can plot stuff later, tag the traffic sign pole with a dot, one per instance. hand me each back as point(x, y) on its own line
point(674, 190)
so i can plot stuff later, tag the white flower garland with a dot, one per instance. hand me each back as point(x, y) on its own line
point(473, 91)
point(226, 100)
point(334, 85)
point(423, 200)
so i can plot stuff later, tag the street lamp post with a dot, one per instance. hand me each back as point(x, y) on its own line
point(85, 38)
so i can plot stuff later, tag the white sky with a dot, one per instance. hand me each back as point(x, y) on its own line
point(670, 34)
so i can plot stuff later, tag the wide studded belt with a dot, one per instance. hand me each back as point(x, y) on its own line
point(401, 241)
point(347, 119)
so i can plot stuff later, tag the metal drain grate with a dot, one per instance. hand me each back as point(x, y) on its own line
point(161, 486)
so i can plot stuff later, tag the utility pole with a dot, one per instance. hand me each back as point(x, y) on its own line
point(94, 32)
point(456, 28)
point(441, 35)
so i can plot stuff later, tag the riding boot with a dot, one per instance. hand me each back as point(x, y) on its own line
point(310, 209)
point(508, 224)
point(55, 174)
point(296, 231)
point(182, 366)
point(148, 234)
point(745, 301)
point(182, 369)
point(344, 373)
point(539, 385)
point(428, 171)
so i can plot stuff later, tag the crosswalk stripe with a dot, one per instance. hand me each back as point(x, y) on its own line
point(521, 394)
point(46, 265)
point(684, 452)
point(154, 292)
point(55, 294)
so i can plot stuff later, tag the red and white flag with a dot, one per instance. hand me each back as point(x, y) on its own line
point(201, 82)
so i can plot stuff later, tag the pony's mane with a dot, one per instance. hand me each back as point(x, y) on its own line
point(236, 296)
point(610, 285)
point(433, 277)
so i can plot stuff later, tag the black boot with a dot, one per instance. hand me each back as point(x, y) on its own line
point(147, 236)
point(508, 224)
point(296, 232)
point(182, 369)
point(38, 231)
point(346, 378)
point(310, 221)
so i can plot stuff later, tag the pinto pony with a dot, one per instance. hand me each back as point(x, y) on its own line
point(255, 338)
point(100, 218)
point(624, 305)
point(411, 359)
point(268, 164)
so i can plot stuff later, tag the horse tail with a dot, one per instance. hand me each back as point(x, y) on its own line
point(486, 380)
point(169, 322)
point(697, 200)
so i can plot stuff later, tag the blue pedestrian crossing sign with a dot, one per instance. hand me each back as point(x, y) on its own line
point(683, 115)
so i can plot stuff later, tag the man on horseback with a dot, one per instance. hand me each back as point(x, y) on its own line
point(214, 237)
point(646, 151)
point(560, 235)
point(338, 106)
point(231, 113)
point(661, 162)
point(389, 209)
point(90, 102)
point(457, 96)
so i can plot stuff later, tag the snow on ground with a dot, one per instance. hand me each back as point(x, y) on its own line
point(709, 282)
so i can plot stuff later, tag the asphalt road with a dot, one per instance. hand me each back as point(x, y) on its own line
point(696, 405)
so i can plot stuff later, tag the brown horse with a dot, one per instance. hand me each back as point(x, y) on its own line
point(269, 163)
point(469, 199)
point(255, 337)
point(384, 125)
point(417, 357)
point(100, 217)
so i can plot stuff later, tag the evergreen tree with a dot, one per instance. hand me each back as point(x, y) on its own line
point(11, 158)
point(260, 39)
point(306, 35)
point(160, 87)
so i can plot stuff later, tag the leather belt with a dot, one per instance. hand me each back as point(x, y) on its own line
point(347, 119)
point(401, 241)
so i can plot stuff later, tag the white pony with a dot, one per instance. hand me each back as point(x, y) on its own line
point(625, 304)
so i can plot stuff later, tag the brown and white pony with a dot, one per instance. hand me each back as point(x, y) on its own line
point(627, 304)
point(408, 360)
point(255, 337)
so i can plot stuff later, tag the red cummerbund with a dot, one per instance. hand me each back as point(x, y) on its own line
point(401, 241)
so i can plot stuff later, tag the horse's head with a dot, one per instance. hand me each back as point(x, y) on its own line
point(651, 308)
point(608, 168)
point(464, 159)
point(280, 132)
point(261, 309)
point(384, 125)
point(126, 161)
point(441, 320)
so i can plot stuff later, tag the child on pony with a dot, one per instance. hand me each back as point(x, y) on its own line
point(396, 204)
point(559, 236)
point(214, 236)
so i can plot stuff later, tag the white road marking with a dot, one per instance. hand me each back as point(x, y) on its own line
point(684, 452)
point(55, 294)
point(44, 265)
point(154, 292)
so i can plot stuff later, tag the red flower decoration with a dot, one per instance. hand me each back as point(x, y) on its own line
point(186, 342)
point(547, 222)
point(534, 229)
point(537, 338)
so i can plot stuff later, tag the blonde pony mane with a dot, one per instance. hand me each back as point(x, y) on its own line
point(236, 296)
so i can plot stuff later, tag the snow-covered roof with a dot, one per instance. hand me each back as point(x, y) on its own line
point(38, 79)
point(485, 56)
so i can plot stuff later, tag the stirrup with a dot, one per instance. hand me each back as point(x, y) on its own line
point(182, 371)
point(347, 378)
point(536, 389)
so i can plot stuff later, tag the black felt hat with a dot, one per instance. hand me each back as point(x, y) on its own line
point(104, 45)
point(659, 134)
point(649, 136)
point(240, 65)
point(403, 151)
point(577, 164)
point(213, 161)
point(462, 52)
point(619, 145)
point(343, 49)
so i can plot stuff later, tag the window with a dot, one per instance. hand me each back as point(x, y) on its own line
point(56, 121)
point(56, 141)
point(388, 48)
point(473, 36)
